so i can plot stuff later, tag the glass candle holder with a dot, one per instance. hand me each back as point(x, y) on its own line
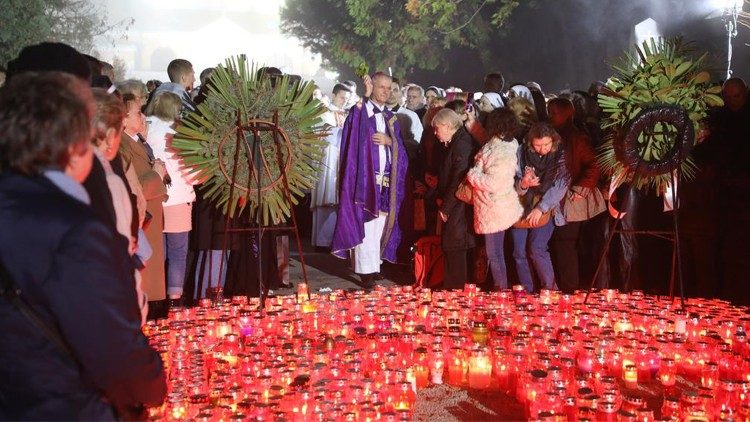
point(421, 374)
point(710, 375)
point(303, 292)
point(457, 367)
point(480, 369)
point(480, 332)
point(668, 373)
point(437, 366)
point(630, 376)
point(585, 360)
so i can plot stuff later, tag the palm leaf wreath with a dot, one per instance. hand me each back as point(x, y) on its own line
point(653, 106)
point(240, 96)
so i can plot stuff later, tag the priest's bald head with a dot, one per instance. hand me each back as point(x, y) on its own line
point(381, 88)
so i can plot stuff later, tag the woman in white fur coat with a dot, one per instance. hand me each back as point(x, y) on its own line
point(496, 203)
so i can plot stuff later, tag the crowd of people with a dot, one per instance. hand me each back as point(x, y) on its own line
point(522, 161)
point(103, 223)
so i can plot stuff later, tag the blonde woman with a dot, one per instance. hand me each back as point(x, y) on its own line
point(162, 113)
point(457, 236)
point(525, 113)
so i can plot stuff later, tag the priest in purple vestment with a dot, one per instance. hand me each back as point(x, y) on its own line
point(373, 174)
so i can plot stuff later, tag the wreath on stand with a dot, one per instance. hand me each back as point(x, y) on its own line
point(653, 105)
point(277, 112)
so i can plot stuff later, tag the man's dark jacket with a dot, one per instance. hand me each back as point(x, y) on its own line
point(458, 231)
point(74, 274)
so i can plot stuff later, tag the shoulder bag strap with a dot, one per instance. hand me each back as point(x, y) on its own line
point(12, 294)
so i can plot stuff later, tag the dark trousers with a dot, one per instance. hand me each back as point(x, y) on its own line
point(734, 253)
point(456, 269)
point(628, 258)
point(591, 243)
point(564, 251)
point(700, 264)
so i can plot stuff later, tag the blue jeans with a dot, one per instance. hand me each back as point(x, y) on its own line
point(209, 264)
point(175, 250)
point(493, 243)
point(536, 241)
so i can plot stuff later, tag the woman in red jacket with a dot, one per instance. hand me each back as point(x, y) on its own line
point(582, 201)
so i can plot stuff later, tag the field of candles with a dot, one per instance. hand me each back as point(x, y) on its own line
point(405, 354)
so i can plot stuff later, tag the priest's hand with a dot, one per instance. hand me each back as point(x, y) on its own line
point(382, 139)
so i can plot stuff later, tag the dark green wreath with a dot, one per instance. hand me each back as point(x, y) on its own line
point(206, 140)
point(668, 122)
point(662, 75)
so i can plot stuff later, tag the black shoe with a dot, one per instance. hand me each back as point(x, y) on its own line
point(176, 303)
point(367, 280)
point(378, 277)
point(157, 309)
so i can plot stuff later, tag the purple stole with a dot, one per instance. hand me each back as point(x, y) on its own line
point(385, 178)
point(361, 199)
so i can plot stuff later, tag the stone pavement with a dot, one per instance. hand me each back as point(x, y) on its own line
point(325, 271)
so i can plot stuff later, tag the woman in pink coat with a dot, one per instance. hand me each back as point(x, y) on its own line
point(496, 203)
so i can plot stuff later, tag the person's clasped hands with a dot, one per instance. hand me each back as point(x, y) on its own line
point(529, 179)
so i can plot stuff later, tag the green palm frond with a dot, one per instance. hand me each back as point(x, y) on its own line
point(206, 140)
point(660, 72)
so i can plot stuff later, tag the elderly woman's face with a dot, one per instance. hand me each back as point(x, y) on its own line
point(484, 105)
point(430, 97)
point(112, 142)
point(80, 161)
point(134, 120)
point(542, 146)
point(444, 131)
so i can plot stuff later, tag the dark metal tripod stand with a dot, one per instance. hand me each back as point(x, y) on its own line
point(256, 163)
point(673, 236)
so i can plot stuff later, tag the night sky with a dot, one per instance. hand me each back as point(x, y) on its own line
point(567, 44)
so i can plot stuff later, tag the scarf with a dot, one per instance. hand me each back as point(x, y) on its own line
point(545, 166)
point(494, 99)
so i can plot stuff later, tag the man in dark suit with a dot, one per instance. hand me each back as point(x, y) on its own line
point(71, 345)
